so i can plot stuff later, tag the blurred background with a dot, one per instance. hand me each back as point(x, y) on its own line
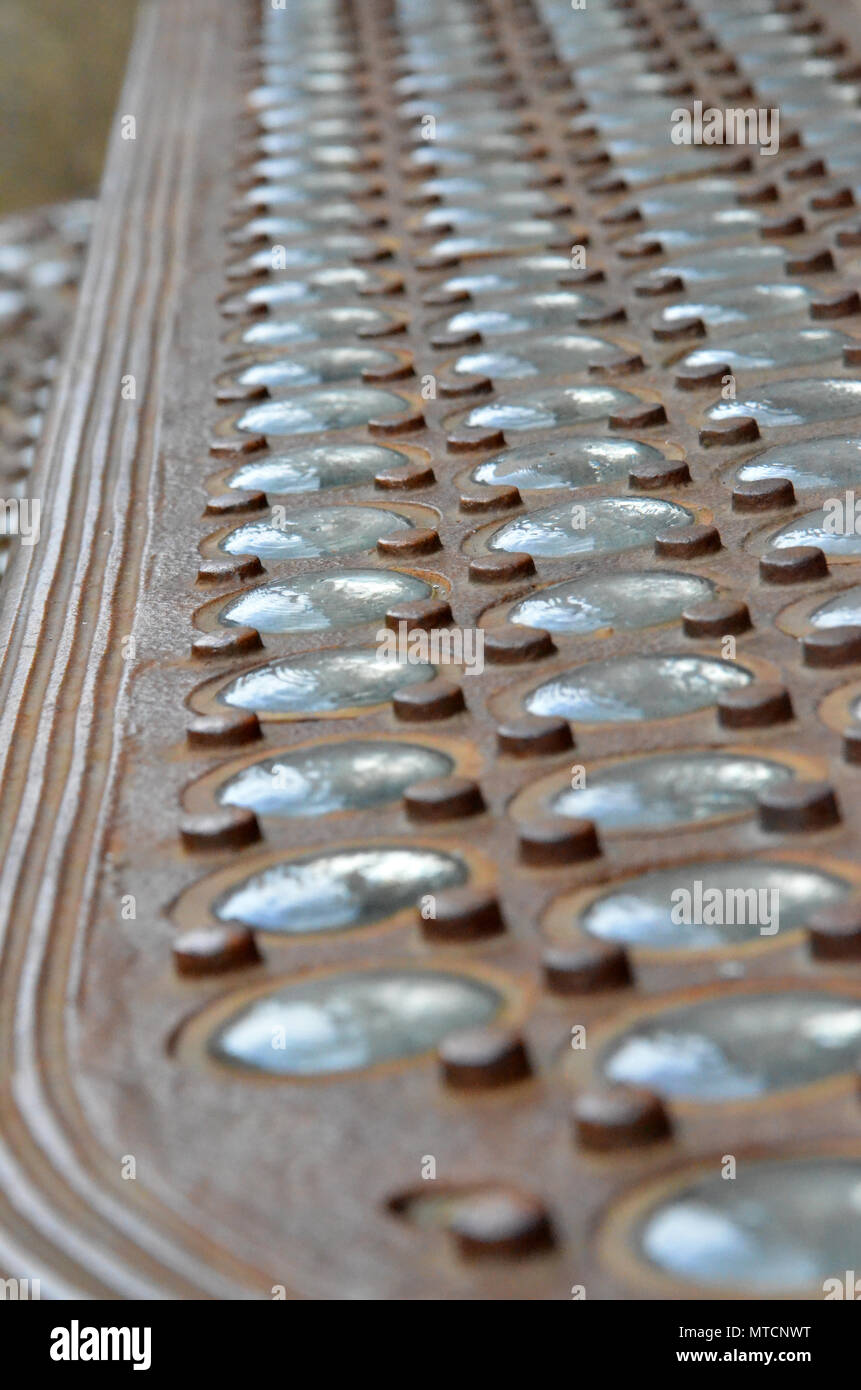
point(61, 67)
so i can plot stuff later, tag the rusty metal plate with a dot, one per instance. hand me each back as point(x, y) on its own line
point(430, 717)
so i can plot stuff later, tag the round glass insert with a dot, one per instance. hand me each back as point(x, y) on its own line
point(671, 789)
point(323, 682)
point(796, 402)
point(783, 1226)
point(550, 407)
point(323, 601)
point(347, 776)
point(645, 686)
point(738, 1046)
point(318, 466)
point(598, 526)
point(810, 464)
point(339, 888)
point(347, 1022)
point(623, 601)
point(313, 532)
point(336, 408)
point(726, 903)
point(566, 463)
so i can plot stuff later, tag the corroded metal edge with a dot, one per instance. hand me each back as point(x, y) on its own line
point(65, 686)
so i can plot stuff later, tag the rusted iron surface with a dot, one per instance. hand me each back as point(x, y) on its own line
point(492, 1160)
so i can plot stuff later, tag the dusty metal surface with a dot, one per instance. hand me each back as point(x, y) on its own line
point(304, 240)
